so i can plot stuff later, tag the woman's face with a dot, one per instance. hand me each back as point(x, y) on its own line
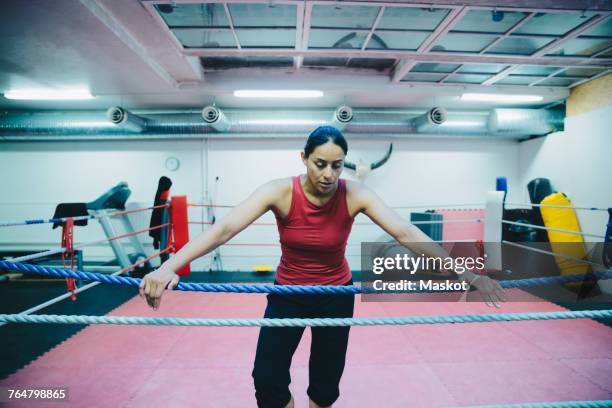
point(324, 166)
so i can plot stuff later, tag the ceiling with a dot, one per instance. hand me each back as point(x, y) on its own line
point(185, 54)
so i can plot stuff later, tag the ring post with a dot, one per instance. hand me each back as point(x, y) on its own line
point(494, 211)
point(180, 227)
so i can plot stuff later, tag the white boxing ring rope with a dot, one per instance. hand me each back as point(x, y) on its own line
point(522, 224)
point(493, 230)
point(492, 234)
point(60, 250)
point(558, 206)
point(542, 251)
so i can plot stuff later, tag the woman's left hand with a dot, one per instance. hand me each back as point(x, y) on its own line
point(490, 290)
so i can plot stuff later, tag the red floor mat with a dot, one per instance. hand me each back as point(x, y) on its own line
point(392, 366)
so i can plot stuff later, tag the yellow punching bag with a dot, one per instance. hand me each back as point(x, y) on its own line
point(563, 243)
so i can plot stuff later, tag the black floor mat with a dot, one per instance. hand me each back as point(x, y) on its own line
point(22, 343)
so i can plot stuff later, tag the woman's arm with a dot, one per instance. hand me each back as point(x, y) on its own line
point(154, 283)
point(226, 228)
point(404, 232)
point(416, 240)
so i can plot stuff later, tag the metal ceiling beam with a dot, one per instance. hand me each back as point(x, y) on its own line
point(605, 50)
point(542, 7)
point(606, 72)
point(402, 68)
point(162, 24)
point(450, 74)
point(299, 33)
point(598, 53)
point(515, 5)
point(230, 21)
point(500, 75)
point(571, 34)
point(508, 70)
point(145, 39)
point(454, 57)
point(370, 33)
point(512, 29)
point(374, 26)
point(532, 5)
point(174, 2)
point(442, 29)
point(306, 33)
point(552, 74)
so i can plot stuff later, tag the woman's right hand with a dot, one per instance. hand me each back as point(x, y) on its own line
point(490, 290)
point(153, 285)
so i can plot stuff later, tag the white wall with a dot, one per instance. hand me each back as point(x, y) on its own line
point(37, 176)
point(577, 162)
point(419, 172)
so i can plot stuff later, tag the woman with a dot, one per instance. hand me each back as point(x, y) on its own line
point(314, 213)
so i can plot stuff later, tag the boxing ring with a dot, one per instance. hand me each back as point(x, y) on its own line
point(531, 352)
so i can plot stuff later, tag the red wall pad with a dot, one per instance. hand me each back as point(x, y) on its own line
point(180, 227)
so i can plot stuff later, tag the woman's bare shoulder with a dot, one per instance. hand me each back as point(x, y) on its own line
point(358, 194)
point(278, 187)
point(354, 188)
point(284, 183)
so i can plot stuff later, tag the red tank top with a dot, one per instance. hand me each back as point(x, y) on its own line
point(313, 240)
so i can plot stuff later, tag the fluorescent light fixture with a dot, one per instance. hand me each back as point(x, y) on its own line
point(277, 94)
point(491, 97)
point(48, 94)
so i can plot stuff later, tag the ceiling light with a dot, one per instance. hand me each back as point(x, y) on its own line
point(489, 97)
point(48, 94)
point(278, 94)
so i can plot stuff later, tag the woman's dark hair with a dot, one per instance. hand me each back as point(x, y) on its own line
point(322, 135)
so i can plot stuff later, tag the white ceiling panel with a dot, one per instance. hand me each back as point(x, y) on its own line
point(185, 53)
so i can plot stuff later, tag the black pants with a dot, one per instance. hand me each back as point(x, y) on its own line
point(276, 346)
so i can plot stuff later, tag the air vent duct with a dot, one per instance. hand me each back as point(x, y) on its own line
point(211, 122)
point(525, 121)
point(125, 119)
point(430, 120)
point(342, 116)
point(215, 118)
